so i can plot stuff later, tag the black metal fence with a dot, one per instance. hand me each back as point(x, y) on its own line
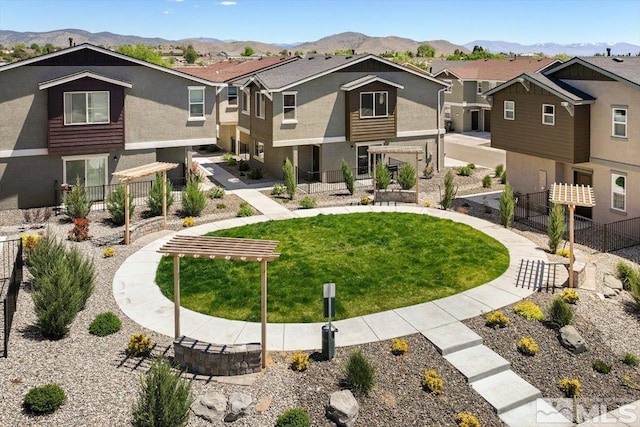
point(333, 180)
point(11, 256)
point(533, 210)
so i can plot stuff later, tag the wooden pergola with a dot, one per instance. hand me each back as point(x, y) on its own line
point(126, 176)
point(572, 196)
point(387, 149)
point(225, 248)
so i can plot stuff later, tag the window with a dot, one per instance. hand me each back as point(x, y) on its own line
point(479, 90)
point(618, 191)
point(448, 89)
point(258, 151)
point(91, 170)
point(447, 111)
point(232, 95)
point(260, 101)
point(246, 105)
point(509, 110)
point(373, 104)
point(86, 108)
point(619, 122)
point(548, 114)
point(289, 107)
point(196, 103)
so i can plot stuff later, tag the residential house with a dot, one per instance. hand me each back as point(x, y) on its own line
point(86, 112)
point(466, 109)
point(319, 110)
point(577, 123)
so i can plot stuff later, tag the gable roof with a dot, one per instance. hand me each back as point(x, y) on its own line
point(111, 53)
point(225, 71)
point(80, 75)
point(624, 69)
point(362, 81)
point(557, 87)
point(496, 69)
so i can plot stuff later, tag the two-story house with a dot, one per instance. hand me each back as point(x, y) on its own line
point(576, 123)
point(466, 108)
point(319, 110)
point(86, 112)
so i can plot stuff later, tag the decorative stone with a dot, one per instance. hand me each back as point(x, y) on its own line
point(211, 406)
point(263, 405)
point(571, 339)
point(238, 405)
point(608, 292)
point(612, 282)
point(343, 408)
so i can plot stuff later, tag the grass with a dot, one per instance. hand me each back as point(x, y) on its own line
point(379, 261)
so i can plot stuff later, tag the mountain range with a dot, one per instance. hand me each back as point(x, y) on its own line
point(349, 40)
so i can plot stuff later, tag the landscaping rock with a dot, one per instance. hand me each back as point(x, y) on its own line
point(239, 404)
point(263, 405)
point(211, 406)
point(612, 282)
point(571, 339)
point(343, 408)
point(608, 292)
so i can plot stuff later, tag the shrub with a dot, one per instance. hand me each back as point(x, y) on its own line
point(383, 176)
point(486, 181)
point(105, 324)
point(221, 206)
point(471, 166)
point(507, 204)
point(432, 382)
point(630, 359)
point(289, 178)
point(76, 202)
point(527, 346)
point(449, 191)
point(116, 202)
point(407, 176)
point(556, 227)
point(496, 320)
point(570, 387)
point(139, 345)
point(427, 172)
point(154, 200)
point(294, 417)
point(563, 253)
point(570, 296)
point(216, 193)
point(499, 170)
point(245, 210)
point(108, 252)
point(347, 176)
point(44, 399)
point(193, 199)
point(255, 173)
point(503, 178)
point(399, 346)
point(229, 159)
point(307, 202)
point(278, 189)
point(427, 203)
point(163, 397)
point(366, 200)
point(529, 310)
point(29, 242)
point(188, 222)
point(465, 419)
point(628, 275)
point(601, 367)
point(243, 165)
point(80, 230)
point(300, 361)
point(359, 374)
point(84, 275)
point(560, 314)
point(42, 256)
point(465, 171)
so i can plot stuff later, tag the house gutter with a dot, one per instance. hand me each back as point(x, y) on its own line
point(439, 142)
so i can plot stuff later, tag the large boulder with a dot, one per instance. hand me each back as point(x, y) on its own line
point(571, 339)
point(211, 406)
point(239, 405)
point(612, 282)
point(343, 408)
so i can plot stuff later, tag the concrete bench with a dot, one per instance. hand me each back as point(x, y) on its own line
point(204, 358)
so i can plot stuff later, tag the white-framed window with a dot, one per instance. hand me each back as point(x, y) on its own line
point(86, 108)
point(232, 95)
point(91, 169)
point(548, 114)
point(479, 89)
point(373, 104)
point(619, 122)
point(260, 104)
point(618, 191)
point(196, 102)
point(246, 96)
point(258, 153)
point(289, 107)
point(509, 110)
point(447, 111)
point(448, 89)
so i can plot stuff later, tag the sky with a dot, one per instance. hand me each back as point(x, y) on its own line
point(291, 21)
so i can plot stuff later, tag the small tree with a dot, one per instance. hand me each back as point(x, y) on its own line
point(116, 205)
point(449, 191)
point(426, 51)
point(507, 205)
point(383, 176)
point(407, 177)
point(190, 55)
point(289, 178)
point(556, 227)
point(248, 51)
point(154, 201)
point(76, 202)
point(194, 200)
point(347, 175)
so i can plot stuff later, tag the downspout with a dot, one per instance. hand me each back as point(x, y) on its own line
point(439, 165)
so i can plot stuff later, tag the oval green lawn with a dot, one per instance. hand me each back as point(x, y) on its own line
point(378, 261)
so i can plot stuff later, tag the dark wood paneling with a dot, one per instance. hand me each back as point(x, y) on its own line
point(85, 139)
point(83, 57)
point(579, 72)
point(566, 141)
point(369, 66)
point(369, 129)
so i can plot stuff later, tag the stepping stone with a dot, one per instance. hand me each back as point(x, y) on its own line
point(506, 391)
point(452, 337)
point(537, 413)
point(478, 362)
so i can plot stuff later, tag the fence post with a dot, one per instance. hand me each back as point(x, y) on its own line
point(604, 237)
point(526, 206)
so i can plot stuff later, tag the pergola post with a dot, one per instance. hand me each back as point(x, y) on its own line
point(417, 181)
point(572, 208)
point(263, 308)
point(164, 198)
point(176, 295)
point(126, 212)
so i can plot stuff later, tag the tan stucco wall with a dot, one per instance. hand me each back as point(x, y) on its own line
point(523, 172)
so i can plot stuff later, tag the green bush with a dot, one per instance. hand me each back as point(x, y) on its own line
point(84, 273)
point(628, 275)
point(243, 165)
point(278, 189)
point(115, 205)
point(507, 205)
point(383, 176)
point(104, 324)
point(294, 417)
point(163, 397)
point(503, 178)
point(347, 175)
point(499, 171)
point(486, 181)
point(630, 359)
point(601, 367)
point(44, 399)
point(193, 199)
point(407, 176)
point(40, 257)
point(245, 210)
point(556, 227)
point(289, 178)
point(465, 171)
point(560, 313)
point(154, 200)
point(216, 193)
point(359, 374)
point(449, 191)
point(307, 202)
point(471, 166)
point(255, 173)
point(229, 159)
point(76, 202)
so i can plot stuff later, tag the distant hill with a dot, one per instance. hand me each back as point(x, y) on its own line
point(551, 49)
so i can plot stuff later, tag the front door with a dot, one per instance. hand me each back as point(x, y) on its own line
point(487, 120)
point(475, 120)
point(91, 172)
point(365, 160)
point(583, 178)
point(315, 162)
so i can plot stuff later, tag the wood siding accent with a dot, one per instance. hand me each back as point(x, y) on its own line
point(84, 58)
point(371, 129)
point(369, 66)
point(580, 72)
point(85, 139)
point(261, 129)
point(566, 141)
